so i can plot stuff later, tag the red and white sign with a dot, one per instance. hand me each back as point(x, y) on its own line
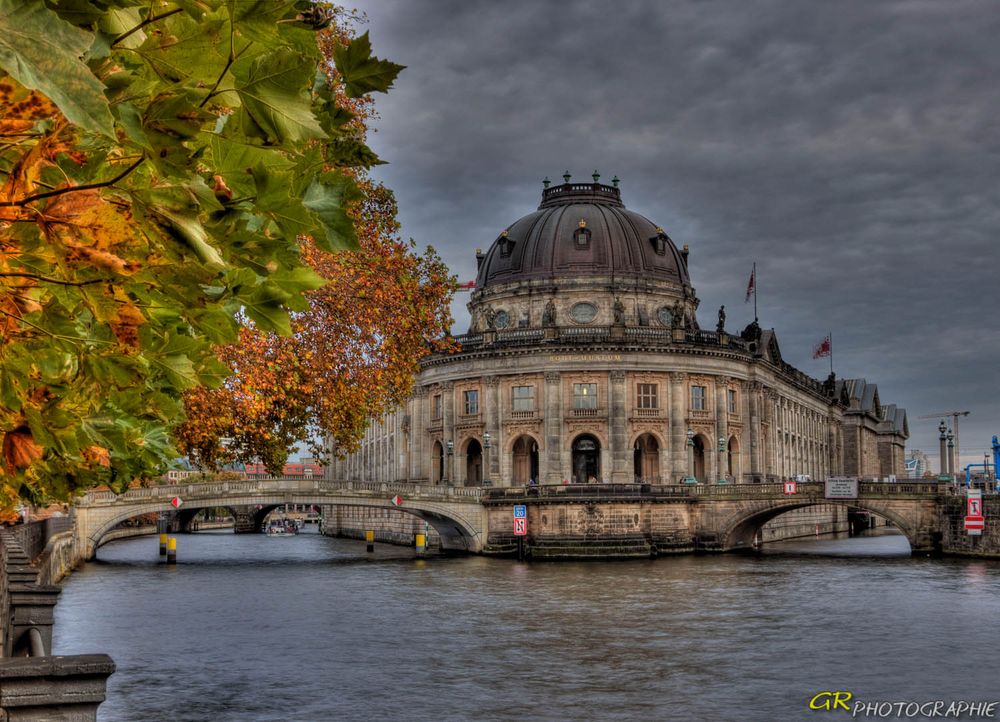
point(397, 500)
point(520, 526)
point(974, 503)
point(176, 502)
point(974, 523)
point(789, 487)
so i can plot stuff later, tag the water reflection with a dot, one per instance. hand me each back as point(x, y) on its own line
point(310, 628)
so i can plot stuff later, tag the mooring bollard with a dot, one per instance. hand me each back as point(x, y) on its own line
point(370, 538)
point(172, 550)
point(421, 543)
point(163, 545)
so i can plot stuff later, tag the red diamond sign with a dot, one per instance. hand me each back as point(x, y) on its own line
point(397, 500)
point(176, 502)
point(789, 487)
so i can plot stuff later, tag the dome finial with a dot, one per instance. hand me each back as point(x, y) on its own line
point(566, 177)
point(596, 176)
point(615, 181)
point(545, 183)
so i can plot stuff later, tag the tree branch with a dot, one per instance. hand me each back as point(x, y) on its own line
point(143, 24)
point(74, 189)
point(46, 279)
point(229, 63)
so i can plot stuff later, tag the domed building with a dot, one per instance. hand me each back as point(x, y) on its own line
point(585, 362)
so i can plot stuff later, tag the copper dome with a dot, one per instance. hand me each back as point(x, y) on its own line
point(581, 229)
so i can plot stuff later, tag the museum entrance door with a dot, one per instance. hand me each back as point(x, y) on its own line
point(586, 459)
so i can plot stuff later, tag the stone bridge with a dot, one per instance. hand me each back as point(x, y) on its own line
point(639, 519)
point(455, 513)
point(576, 520)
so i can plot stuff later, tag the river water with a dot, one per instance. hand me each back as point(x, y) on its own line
point(311, 628)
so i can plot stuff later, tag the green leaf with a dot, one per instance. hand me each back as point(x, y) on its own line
point(188, 230)
point(266, 308)
point(327, 197)
point(274, 91)
point(42, 51)
point(179, 371)
point(362, 72)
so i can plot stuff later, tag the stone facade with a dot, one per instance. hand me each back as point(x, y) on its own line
point(585, 361)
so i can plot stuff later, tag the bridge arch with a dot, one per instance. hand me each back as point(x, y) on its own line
point(456, 530)
point(739, 529)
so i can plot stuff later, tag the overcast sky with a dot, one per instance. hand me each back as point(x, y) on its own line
point(851, 149)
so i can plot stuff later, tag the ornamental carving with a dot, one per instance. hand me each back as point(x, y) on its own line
point(617, 376)
point(420, 391)
point(552, 377)
point(492, 380)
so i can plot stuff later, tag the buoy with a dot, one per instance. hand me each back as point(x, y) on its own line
point(421, 543)
point(370, 539)
point(163, 545)
point(172, 550)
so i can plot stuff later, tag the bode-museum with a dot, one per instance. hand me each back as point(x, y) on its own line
point(585, 362)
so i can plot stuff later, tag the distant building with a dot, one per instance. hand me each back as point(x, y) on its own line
point(917, 464)
point(585, 361)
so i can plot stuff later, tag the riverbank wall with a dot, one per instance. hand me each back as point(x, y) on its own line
point(389, 525)
point(808, 522)
point(956, 540)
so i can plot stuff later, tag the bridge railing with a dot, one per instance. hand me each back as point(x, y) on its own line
point(278, 486)
point(814, 489)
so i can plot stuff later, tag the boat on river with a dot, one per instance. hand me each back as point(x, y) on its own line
point(283, 527)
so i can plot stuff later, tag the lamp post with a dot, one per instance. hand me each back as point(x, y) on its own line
point(943, 438)
point(451, 451)
point(722, 459)
point(690, 444)
point(486, 459)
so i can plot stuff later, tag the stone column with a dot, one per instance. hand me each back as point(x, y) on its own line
point(678, 427)
point(721, 428)
point(553, 428)
point(448, 428)
point(944, 454)
point(491, 422)
point(618, 432)
point(753, 415)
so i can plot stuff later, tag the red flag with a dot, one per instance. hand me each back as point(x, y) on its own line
point(823, 348)
point(468, 284)
point(752, 286)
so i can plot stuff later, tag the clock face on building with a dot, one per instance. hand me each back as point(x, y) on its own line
point(502, 319)
point(665, 316)
point(583, 312)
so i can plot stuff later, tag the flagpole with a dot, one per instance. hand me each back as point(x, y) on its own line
point(755, 291)
point(831, 353)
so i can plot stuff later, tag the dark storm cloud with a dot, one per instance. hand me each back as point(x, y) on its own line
point(850, 148)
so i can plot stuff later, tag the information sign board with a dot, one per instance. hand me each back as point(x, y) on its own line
point(520, 511)
point(789, 487)
point(520, 526)
point(841, 488)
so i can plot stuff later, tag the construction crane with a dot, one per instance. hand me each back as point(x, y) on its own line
point(954, 423)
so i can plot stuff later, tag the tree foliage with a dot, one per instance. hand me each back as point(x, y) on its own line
point(355, 349)
point(159, 162)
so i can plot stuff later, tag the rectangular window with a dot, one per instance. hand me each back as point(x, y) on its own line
point(731, 399)
point(436, 406)
point(584, 396)
point(523, 398)
point(646, 396)
point(472, 402)
point(698, 398)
